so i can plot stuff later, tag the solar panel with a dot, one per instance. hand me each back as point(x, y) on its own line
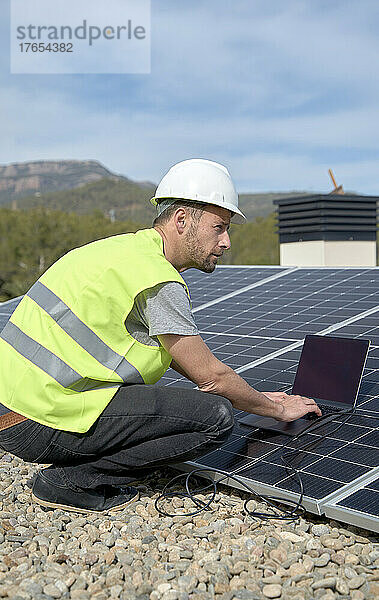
point(255, 319)
point(366, 328)
point(263, 321)
point(370, 493)
point(259, 332)
point(301, 302)
point(205, 288)
point(332, 460)
point(331, 463)
point(358, 505)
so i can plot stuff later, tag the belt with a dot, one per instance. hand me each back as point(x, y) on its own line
point(9, 419)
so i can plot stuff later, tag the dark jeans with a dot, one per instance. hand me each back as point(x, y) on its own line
point(142, 428)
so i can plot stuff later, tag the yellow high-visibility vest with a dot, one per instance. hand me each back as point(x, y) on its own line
point(65, 350)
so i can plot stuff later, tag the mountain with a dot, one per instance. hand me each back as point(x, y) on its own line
point(38, 177)
point(86, 186)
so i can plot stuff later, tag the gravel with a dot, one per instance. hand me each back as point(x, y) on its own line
point(137, 554)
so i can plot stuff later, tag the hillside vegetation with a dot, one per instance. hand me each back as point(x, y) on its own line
point(129, 200)
point(33, 240)
point(86, 185)
point(124, 200)
point(254, 243)
point(84, 201)
point(50, 207)
point(30, 241)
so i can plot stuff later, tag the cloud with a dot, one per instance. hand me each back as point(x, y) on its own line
point(278, 91)
point(262, 172)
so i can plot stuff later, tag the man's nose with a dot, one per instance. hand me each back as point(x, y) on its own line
point(225, 241)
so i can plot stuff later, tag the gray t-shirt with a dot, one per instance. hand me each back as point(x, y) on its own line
point(164, 308)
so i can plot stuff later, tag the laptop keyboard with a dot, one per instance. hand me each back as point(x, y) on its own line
point(326, 410)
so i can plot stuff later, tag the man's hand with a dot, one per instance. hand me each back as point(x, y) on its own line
point(293, 407)
point(276, 396)
point(192, 358)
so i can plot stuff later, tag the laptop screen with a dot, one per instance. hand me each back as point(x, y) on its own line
point(330, 368)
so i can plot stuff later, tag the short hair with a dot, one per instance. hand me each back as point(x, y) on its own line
point(196, 210)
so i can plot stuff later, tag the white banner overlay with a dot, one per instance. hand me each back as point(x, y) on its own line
point(80, 36)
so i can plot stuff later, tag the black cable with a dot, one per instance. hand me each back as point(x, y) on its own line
point(278, 513)
point(205, 505)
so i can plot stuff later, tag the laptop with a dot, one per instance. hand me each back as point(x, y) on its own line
point(330, 372)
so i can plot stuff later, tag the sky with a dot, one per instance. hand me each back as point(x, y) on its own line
point(278, 91)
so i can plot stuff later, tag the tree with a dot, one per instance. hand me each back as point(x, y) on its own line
point(31, 241)
point(254, 243)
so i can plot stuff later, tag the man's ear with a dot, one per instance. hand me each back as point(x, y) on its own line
point(180, 219)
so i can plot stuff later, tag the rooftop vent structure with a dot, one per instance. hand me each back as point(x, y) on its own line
point(327, 230)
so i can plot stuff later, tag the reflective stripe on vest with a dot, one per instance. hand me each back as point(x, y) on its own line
point(82, 334)
point(48, 362)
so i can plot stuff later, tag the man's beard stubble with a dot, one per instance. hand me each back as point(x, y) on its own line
point(197, 252)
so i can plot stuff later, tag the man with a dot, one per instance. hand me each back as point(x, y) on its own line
point(104, 320)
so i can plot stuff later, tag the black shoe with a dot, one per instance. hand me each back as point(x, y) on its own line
point(30, 482)
point(54, 495)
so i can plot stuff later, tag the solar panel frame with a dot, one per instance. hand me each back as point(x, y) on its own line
point(362, 493)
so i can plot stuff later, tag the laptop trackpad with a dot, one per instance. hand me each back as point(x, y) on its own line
point(288, 428)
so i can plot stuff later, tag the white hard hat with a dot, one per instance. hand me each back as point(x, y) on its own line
point(199, 180)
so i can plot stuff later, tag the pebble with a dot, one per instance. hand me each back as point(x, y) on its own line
point(328, 582)
point(308, 564)
point(342, 587)
point(243, 594)
point(138, 554)
point(331, 542)
point(356, 582)
point(320, 530)
point(291, 537)
point(148, 539)
point(322, 560)
point(313, 544)
point(31, 587)
point(52, 590)
point(272, 590)
point(163, 587)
